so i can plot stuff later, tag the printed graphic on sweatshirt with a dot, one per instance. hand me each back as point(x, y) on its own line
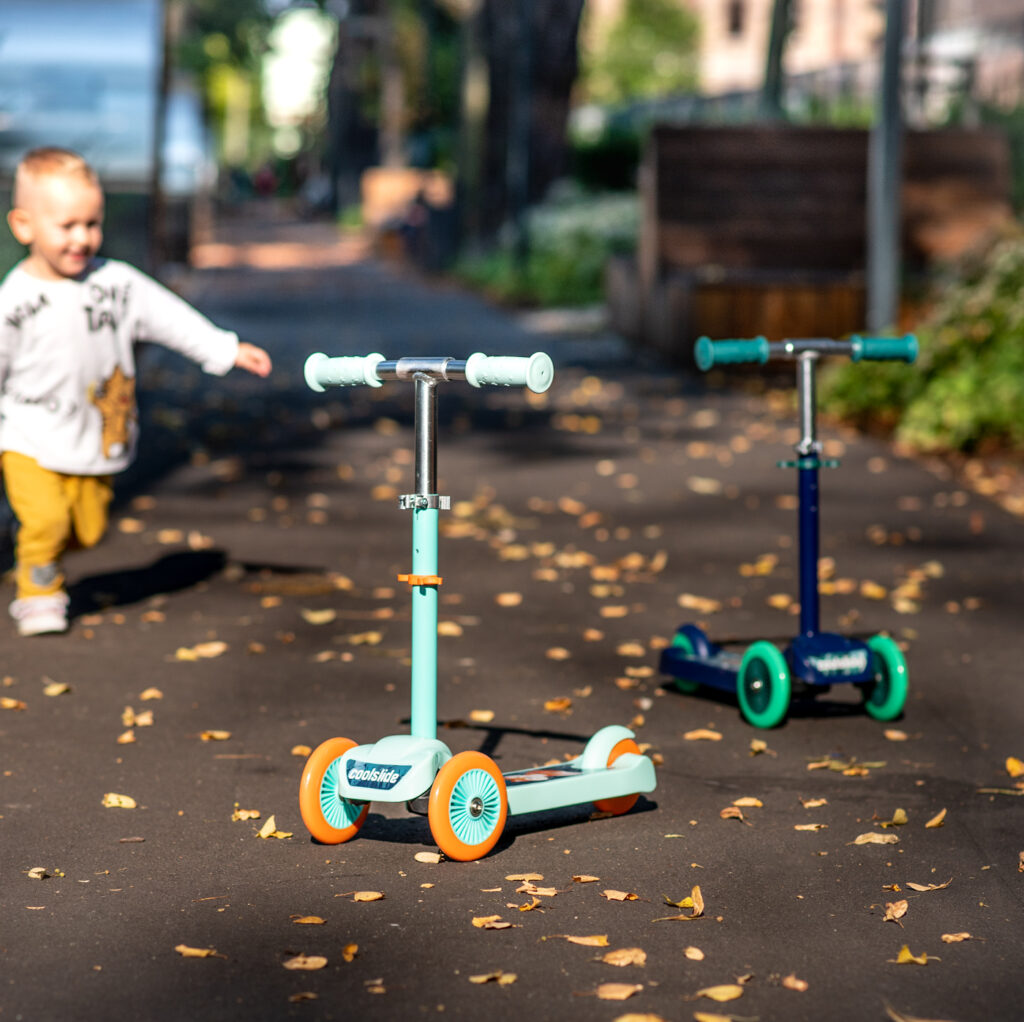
point(108, 306)
point(115, 398)
point(25, 311)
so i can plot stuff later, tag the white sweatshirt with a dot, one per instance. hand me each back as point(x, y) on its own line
point(67, 367)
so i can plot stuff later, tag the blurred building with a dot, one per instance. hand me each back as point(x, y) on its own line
point(980, 41)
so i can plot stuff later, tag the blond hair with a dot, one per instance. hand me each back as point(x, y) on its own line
point(49, 161)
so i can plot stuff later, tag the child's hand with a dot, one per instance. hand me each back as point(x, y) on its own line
point(254, 359)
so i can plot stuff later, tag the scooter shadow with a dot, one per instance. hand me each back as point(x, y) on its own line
point(415, 830)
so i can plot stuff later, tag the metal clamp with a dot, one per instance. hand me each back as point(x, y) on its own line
point(424, 501)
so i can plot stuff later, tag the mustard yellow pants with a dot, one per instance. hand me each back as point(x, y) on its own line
point(54, 512)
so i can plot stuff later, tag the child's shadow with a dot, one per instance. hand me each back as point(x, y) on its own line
point(168, 574)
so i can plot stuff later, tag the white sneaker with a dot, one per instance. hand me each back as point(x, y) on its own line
point(41, 615)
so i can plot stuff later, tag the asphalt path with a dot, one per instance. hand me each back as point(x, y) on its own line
point(246, 598)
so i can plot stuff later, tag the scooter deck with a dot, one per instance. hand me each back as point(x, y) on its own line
point(717, 669)
point(569, 783)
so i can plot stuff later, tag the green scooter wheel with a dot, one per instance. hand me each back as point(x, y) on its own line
point(884, 698)
point(763, 685)
point(682, 641)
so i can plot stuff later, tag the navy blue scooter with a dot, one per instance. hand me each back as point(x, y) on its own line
point(764, 679)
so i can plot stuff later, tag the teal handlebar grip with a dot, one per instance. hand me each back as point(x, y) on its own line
point(902, 349)
point(535, 372)
point(708, 353)
point(321, 371)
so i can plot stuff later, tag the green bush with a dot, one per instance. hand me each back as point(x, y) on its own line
point(966, 390)
point(570, 239)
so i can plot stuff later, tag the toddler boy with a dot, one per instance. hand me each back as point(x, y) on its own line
point(68, 418)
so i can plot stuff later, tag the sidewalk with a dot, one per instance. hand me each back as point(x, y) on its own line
point(246, 596)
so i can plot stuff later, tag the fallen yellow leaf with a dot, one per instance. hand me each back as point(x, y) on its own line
point(694, 953)
point(584, 878)
point(598, 940)
point(508, 599)
point(625, 956)
point(305, 963)
point(301, 750)
point(619, 896)
point(56, 688)
point(702, 734)
point(875, 838)
point(558, 705)
point(618, 991)
point(490, 923)
point(558, 653)
point(151, 693)
point(937, 820)
point(114, 801)
point(955, 938)
point(197, 952)
point(245, 814)
point(895, 911)
point(431, 857)
point(791, 982)
point(810, 826)
point(214, 736)
point(722, 992)
point(929, 887)
point(7, 703)
point(318, 617)
point(349, 952)
point(126, 737)
point(269, 829)
point(1014, 767)
point(308, 920)
point(481, 716)
point(905, 957)
point(503, 979)
point(748, 801)
point(368, 896)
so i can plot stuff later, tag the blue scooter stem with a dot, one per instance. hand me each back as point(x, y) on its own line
point(810, 619)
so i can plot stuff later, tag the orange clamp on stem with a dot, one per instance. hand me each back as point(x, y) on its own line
point(421, 580)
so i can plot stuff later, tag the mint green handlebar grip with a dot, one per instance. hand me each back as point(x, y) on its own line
point(322, 371)
point(902, 349)
point(535, 372)
point(708, 353)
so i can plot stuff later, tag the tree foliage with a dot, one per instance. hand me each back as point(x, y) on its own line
point(966, 390)
point(651, 50)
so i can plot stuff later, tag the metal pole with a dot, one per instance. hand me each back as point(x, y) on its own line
point(885, 174)
point(426, 434)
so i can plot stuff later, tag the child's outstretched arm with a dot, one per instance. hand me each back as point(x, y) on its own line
point(254, 359)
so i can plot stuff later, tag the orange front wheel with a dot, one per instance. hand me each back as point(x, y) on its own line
point(468, 806)
point(329, 817)
point(622, 804)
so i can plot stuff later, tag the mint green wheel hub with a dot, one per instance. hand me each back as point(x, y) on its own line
point(682, 641)
point(339, 812)
point(474, 808)
point(884, 698)
point(763, 685)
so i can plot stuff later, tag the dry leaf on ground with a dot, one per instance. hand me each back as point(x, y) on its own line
point(906, 957)
point(490, 923)
point(625, 956)
point(702, 734)
point(597, 940)
point(895, 911)
point(955, 938)
point(791, 982)
point(305, 963)
point(618, 991)
point(197, 952)
point(936, 821)
point(114, 801)
point(722, 992)
point(874, 838)
point(503, 979)
point(694, 953)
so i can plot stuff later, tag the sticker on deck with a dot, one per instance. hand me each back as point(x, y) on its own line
point(536, 774)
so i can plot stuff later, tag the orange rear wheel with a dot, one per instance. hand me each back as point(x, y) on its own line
point(622, 804)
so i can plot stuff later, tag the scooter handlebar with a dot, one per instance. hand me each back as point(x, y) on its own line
point(321, 371)
point(708, 353)
point(903, 349)
point(535, 372)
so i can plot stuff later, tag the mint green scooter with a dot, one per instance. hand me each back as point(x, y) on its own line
point(465, 797)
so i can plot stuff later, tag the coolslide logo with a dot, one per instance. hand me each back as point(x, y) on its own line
point(382, 776)
point(854, 662)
